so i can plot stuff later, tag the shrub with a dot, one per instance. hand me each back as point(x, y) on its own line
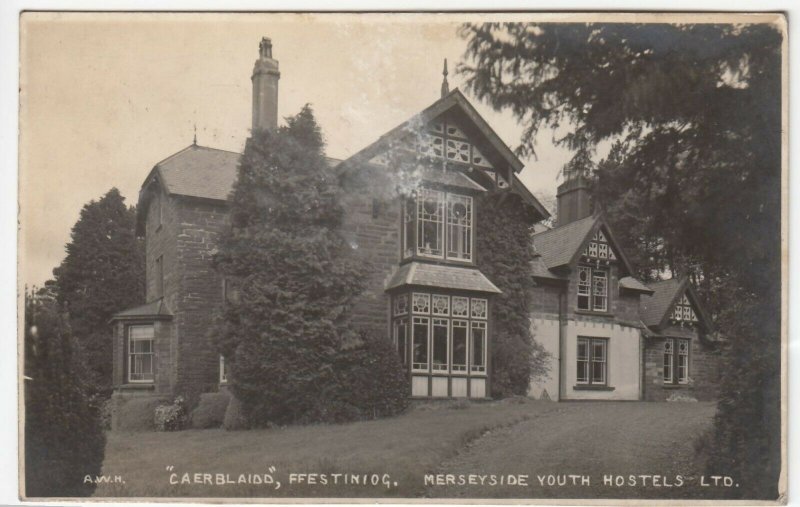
point(64, 439)
point(137, 414)
point(210, 411)
point(172, 416)
point(234, 416)
point(370, 378)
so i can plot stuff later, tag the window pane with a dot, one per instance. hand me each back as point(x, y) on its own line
point(408, 228)
point(440, 305)
point(479, 308)
point(598, 373)
point(400, 340)
point(459, 345)
point(478, 346)
point(668, 359)
point(430, 216)
point(420, 353)
point(459, 227)
point(460, 306)
point(584, 287)
point(600, 290)
point(583, 371)
point(440, 344)
point(583, 349)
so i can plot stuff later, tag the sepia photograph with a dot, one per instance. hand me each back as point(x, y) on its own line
point(403, 257)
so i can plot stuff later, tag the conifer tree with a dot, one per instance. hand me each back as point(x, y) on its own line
point(103, 273)
point(295, 274)
point(64, 440)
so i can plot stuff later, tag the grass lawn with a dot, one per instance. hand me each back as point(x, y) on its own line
point(404, 447)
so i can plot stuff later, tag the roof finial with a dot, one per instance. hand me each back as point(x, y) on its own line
point(445, 85)
point(194, 141)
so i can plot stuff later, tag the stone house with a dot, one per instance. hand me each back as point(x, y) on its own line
point(425, 290)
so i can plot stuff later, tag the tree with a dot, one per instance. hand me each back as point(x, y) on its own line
point(103, 273)
point(504, 240)
point(64, 439)
point(692, 182)
point(296, 273)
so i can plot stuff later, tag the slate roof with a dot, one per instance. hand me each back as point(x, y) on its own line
point(558, 246)
point(154, 309)
point(539, 269)
point(442, 277)
point(653, 308)
point(451, 178)
point(631, 283)
point(199, 172)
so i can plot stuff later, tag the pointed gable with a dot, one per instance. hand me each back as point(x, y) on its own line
point(673, 302)
point(451, 130)
point(588, 237)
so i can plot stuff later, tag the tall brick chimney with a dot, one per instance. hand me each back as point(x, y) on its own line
point(265, 88)
point(573, 198)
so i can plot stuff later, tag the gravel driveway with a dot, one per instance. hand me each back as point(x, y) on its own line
point(590, 441)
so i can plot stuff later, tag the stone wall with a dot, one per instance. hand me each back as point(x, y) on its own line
point(198, 229)
point(372, 227)
point(704, 369)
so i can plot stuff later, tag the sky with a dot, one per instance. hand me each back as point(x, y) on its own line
point(104, 97)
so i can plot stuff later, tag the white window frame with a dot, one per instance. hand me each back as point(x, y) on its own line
point(460, 228)
point(396, 335)
point(668, 360)
point(676, 360)
point(473, 368)
point(590, 360)
point(588, 289)
point(459, 324)
point(422, 195)
point(131, 354)
point(440, 367)
point(419, 367)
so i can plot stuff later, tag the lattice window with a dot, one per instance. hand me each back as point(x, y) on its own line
point(430, 222)
point(441, 305)
point(600, 291)
point(584, 287)
point(459, 227)
point(421, 303)
point(460, 306)
point(401, 304)
point(683, 361)
point(479, 308)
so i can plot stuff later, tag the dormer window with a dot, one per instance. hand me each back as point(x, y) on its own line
point(438, 225)
point(592, 289)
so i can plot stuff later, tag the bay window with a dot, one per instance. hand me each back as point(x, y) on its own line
point(676, 361)
point(592, 361)
point(140, 353)
point(447, 334)
point(438, 225)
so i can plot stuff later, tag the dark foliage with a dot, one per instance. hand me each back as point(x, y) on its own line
point(504, 242)
point(369, 382)
point(692, 183)
point(103, 273)
point(297, 275)
point(64, 439)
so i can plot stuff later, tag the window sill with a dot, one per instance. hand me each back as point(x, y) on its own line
point(675, 386)
point(589, 387)
point(596, 314)
point(144, 386)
